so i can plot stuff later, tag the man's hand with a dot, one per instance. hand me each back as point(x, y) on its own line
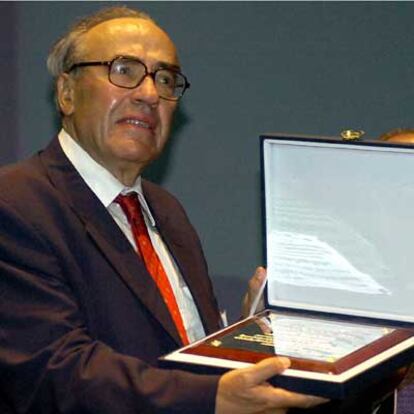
point(245, 391)
point(255, 283)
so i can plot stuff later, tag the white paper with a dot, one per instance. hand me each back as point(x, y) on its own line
point(320, 339)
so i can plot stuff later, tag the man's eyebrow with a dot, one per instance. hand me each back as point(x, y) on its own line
point(166, 65)
point(157, 65)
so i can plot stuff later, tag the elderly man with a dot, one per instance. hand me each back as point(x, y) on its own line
point(100, 271)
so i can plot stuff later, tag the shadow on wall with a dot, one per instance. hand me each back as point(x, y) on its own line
point(229, 291)
point(8, 72)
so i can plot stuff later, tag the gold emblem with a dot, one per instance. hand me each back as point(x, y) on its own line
point(351, 134)
point(215, 343)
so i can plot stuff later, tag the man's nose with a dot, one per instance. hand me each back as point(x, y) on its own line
point(146, 92)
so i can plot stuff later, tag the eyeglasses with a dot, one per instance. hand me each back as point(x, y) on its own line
point(129, 72)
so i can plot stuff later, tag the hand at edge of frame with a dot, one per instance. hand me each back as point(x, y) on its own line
point(246, 391)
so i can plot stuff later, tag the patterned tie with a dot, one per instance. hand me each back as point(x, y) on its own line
point(132, 209)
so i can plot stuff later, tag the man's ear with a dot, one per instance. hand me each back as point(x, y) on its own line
point(65, 94)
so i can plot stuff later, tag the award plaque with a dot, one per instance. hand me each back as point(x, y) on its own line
point(339, 297)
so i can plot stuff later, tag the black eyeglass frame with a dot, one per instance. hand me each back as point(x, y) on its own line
point(152, 74)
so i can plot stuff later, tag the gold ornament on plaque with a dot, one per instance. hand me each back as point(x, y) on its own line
point(352, 134)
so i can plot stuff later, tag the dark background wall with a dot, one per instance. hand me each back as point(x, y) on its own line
point(8, 84)
point(255, 67)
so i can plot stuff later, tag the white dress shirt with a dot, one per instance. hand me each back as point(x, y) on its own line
point(106, 187)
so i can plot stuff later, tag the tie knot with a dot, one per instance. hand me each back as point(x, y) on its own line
point(130, 205)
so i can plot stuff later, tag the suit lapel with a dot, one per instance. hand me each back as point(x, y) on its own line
point(106, 235)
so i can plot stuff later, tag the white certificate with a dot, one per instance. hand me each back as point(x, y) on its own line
point(320, 339)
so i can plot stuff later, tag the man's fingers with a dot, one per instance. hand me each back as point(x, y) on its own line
point(269, 367)
point(291, 399)
point(252, 297)
point(266, 369)
point(247, 391)
point(257, 279)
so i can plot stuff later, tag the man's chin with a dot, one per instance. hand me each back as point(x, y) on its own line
point(139, 158)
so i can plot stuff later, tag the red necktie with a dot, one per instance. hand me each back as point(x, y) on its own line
point(132, 209)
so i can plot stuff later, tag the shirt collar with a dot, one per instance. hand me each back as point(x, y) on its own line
point(103, 184)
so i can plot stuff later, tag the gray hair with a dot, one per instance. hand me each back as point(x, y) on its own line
point(64, 53)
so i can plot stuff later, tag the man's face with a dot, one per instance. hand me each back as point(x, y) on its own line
point(122, 129)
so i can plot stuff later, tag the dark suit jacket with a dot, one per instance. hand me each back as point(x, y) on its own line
point(81, 321)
